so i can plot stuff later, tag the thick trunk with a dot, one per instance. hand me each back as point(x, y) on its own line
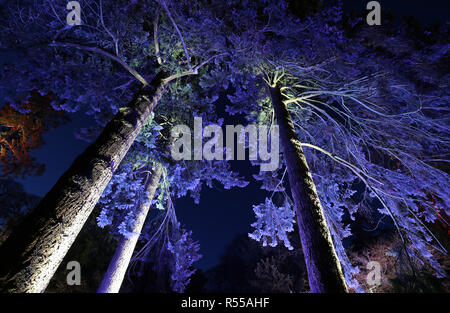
point(33, 252)
point(324, 270)
point(118, 266)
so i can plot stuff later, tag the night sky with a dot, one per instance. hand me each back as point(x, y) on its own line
point(428, 12)
point(221, 214)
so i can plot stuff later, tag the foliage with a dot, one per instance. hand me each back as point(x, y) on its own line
point(372, 135)
point(269, 279)
point(121, 200)
point(370, 109)
point(93, 249)
point(273, 223)
point(185, 252)
point(22, 127)
point(237, 270)
point(395, 273)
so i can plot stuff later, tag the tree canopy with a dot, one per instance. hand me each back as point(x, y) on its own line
point(368, 107)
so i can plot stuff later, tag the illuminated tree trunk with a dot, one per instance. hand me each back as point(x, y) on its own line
point(118, 266)
point(33, 252)
point(323, 267)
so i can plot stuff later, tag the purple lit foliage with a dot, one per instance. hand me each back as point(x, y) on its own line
point(96, 67)
point(168, 247)
point(369, 132)
point(163, 239)
point(185, 253)
point(273, 223)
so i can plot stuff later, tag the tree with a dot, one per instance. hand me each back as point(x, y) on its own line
point(373, 134)
point(248, 267)
point(325, 273)
point(164, 263)
point(302, 73)
point(270, 279)
point(272, 36)
point(15, 203)
point(116, 270)
point(38, 245)
point(306, 74)
point(23, 127)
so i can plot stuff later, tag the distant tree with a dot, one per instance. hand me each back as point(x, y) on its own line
point(148, 166)
point(15, 203)
point(22, 128)
point(350, 120)
point(246, 266)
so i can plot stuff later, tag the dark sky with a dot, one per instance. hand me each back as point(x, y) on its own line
point(221, 214)
point(427, 11)
point(60, 150)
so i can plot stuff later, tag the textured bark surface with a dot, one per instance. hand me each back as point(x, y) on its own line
point(32, 253)
point(323, 267)
point(118, 266)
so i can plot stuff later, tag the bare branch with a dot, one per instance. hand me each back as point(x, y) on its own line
point(155, 37)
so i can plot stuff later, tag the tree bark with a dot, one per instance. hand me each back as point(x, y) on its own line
point(33, 252)
point(118, 266)
point(323, 267)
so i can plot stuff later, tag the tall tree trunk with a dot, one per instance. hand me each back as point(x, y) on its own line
point(118, 266)
point(324, 270)
point(33, 252)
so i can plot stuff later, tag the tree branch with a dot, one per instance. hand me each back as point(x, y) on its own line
point(155, 37)
point(104, 53)
point(194, 71)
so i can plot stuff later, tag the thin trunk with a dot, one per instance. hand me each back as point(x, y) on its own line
point(33, 252)
point(118, 266)
point(324, 270)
